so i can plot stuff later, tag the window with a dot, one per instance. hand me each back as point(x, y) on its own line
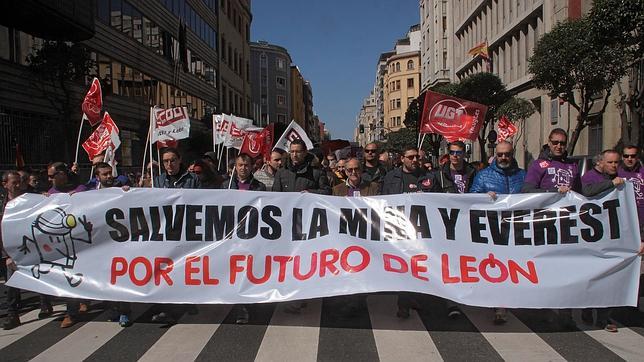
point(398, 84)
point(397, 67)
point(281, 64)
point(281, 82)
point(281, 100)
point(410, 65)
point(410, 82)
point(115, 14)
point(554, 110)
point(104, 11)
point(137, 25)
point(397, 103)
point(263, 61)
point(281, 118)
point(127, 18)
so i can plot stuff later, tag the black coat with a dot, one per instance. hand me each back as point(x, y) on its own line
point(392, 183)
point(441, 179)
point(301, 177)
point(254, 184)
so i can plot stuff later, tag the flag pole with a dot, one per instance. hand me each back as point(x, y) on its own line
point(80, 130)
point(232, 174)
point(145, 153)
point(150, 144)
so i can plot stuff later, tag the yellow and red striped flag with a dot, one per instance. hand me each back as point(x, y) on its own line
point(479, 49)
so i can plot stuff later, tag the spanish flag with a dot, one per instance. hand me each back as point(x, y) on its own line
point(480, 49)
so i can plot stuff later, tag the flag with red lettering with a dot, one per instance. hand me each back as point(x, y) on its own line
point(453, 118)
point(253, 143)
point(293, 132)
point(506, 129)
point(170, 124)
point(104, 136)
point(93, 103)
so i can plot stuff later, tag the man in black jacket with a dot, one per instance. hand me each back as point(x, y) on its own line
point(406, 179)
point(456, 175)
point(176, 175)
point(242, 178)
point(298, 175)
point(373, 170)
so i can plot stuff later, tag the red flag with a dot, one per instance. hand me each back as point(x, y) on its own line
point(93, 103)
point(506, 129)
point(104, 136)
point(453, 118)
point(269, 137)
point(167, 143)
point(20, 161)
point(253, 143)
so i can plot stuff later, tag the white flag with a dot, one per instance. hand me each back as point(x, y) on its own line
point(170, 124)
point(293, 132)
point(231, 130)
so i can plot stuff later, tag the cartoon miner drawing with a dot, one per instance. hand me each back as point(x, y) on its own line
point(51, 234)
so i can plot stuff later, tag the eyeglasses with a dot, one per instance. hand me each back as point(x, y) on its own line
point(370, 151)
point(557, 143)
point(630, 155)
point(455, 153)
point(351, 170)
point(504, 154)
point(412, 157)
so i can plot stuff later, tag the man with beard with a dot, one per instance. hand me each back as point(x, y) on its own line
point(409, 178)
point(373, 170)
point(267, 174)
point(503, 176)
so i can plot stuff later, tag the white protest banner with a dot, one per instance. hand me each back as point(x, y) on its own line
point(209, 246)
point(293, 132)
point(170, 124)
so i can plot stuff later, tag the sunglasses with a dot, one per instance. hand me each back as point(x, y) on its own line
point(455, 153)
point(370, 151)
point(504, 154)
point(629, 155)
point(412, 157)
point(351, 170)
point(557, 143)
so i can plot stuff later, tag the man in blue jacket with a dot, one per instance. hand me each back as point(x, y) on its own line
point(503, 176)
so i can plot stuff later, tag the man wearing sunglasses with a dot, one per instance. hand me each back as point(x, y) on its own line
point(355, 184)
point(373, 170)
point(553, 171)
point(456, 175)
point(631, 170)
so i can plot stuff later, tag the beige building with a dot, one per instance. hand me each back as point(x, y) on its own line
point(512, 29)
point(234, 65)
point(297, 97)
point(402, 86)
point(367, 119)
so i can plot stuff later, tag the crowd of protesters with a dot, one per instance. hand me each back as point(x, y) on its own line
point(377, 173)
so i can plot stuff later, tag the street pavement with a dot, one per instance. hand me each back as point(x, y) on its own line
point(321, 332)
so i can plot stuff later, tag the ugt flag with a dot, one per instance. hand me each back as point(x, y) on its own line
point(105, 136)
point(170, 124)
point(93, 103)
point(293, 132)
point(506, 129)
point(453, 118)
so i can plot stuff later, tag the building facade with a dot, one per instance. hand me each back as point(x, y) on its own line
point(297, 97)
point(234, 66)
point(402, 85)
point(436, 23)
point(270, 70)
point(312, 128)
point(379, 95)
point(144, 53)
point(366, 121)
point(512, 30)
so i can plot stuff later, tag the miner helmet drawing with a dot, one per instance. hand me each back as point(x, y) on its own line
point(52, 237)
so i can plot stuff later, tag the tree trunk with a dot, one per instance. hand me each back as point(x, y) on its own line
point(572, 142)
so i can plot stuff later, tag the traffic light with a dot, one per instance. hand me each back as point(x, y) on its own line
point(362, 128)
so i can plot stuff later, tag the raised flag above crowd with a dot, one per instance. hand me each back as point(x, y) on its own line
point(293, 132)
point(453, 118)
